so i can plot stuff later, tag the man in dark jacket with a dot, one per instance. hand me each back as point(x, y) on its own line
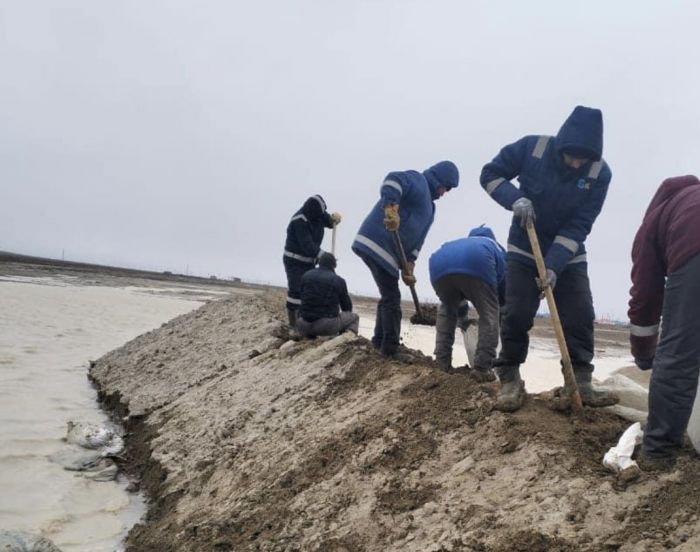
point(666, 285)
point(326, 307)
point(303, 247)
point(563, 184)
point(406, 196)
point(472, 269)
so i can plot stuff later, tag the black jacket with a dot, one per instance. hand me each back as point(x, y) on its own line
point(322, 292)
point(305, 231)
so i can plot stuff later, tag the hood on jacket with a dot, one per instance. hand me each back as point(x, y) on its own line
point(581, 135)
point(444, 173)
point(482, 232)
point(314, 207)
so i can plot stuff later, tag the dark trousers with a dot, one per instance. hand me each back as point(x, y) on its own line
point(674, 377)
point(387, 326)
point(572, 294)
point(295, 270)
point(452, 290)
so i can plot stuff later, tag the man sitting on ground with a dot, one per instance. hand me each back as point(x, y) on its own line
point(326, 307)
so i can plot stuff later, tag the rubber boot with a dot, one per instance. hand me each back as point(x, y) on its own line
point(445, 364)
point(293, 332)
point(595, 397)
point(512, 394)
point(482, 375)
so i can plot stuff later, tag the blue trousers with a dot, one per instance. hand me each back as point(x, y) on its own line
point(387, 326)
point(572, 294)
point(674, 376)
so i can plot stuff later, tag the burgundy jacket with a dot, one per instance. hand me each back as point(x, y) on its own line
point(668, 237)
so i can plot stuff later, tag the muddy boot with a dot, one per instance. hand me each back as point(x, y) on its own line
point(511, 396)
point(293, 332)
point(482, 375)
point(445, 364)
point(655, 463)
point(596, 397)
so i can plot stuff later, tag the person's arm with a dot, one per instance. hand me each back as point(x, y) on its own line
point(575, 231)
point(496, 176)
point(344, 296)
point(393, 189)
point(647, 292)
point(327, 219)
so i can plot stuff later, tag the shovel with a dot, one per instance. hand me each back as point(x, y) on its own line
point(418, 318)
point(333, 239)
point(570, 386)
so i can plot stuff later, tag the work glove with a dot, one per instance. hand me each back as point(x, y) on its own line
point(336, 218)
point(644, 363)
point(524, 210)
point(550, 281)
point(643, 350)
point(407, 274)
point(391, 217)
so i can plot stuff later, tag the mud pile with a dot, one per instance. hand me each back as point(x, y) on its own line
point(246, 441)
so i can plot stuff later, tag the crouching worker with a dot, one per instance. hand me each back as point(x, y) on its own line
point(326, 307)
point(472, 269)
point(303, 247)
point(666, 286)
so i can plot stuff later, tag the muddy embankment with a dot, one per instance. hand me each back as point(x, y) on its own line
point(245, 441)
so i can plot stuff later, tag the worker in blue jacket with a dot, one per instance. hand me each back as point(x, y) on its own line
point(303, 247)
point(405, 206)
point(563, 184)
point(473, 269)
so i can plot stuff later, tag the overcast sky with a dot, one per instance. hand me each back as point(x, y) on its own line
point(172, 134)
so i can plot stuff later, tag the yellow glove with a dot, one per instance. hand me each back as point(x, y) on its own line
point(391, 217)
point(336, 218)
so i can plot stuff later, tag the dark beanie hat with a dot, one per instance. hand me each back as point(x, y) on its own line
point(327, 260)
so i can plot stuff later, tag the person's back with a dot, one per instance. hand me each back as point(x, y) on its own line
point(478, 255)
point(324, 295)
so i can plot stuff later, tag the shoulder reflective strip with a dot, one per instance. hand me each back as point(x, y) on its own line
point(515, 249)
point(393, 184)
point(299, 217)
point(321, 202)
point(378, 249)
point(579, 259)
point(595, 169)
point(540, 146)
point(644, 331)
point(491, 186)
point(571, 245)
point(293, 301)
point(415, 253)
point(299, 257)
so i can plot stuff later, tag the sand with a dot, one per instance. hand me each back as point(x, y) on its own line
point(246, 441)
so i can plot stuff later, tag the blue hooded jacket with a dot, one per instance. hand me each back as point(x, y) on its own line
point(305, 232)
point(479, 256)
point(414, 193)
point(567, 201)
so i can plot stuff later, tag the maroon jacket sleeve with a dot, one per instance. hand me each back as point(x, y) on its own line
point(648, 280)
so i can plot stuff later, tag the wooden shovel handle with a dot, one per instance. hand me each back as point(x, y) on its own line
point(567, 368)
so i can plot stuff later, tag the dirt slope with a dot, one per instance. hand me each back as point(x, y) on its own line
point(247, 442)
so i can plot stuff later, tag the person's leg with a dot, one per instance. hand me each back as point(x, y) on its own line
point(349, 321)
point(522, 302)
point(388, 326)
point(294, 270)
point(484, 297)
point(674, 377)
point(304, 328)
point(378, 328)
point(572, 295)
point(446, 322)
point(325, 326)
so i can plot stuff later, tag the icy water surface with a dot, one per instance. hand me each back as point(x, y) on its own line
point(49, 329)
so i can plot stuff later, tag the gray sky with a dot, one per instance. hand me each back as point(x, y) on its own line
point(170, 134)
